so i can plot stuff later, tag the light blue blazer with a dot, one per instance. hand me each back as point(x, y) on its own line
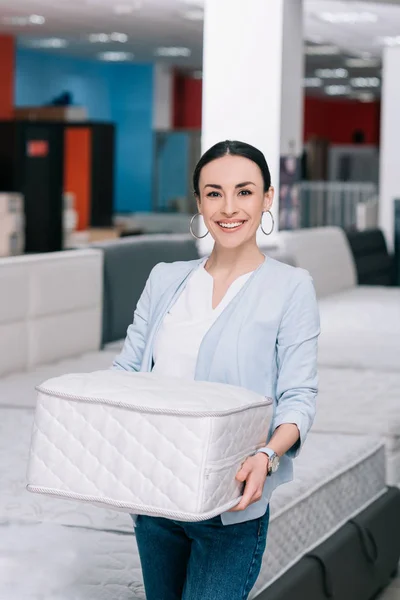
point(265, 340)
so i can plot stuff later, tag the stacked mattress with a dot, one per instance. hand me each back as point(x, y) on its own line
point(354, 402)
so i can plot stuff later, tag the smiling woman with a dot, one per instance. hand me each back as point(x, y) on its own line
point(232, 185)
point(240, 318)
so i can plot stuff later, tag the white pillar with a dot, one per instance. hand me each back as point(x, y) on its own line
point(252, 77)
point(162, 97)
point(389, 187)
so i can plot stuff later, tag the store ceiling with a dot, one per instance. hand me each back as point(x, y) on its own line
point(143, 29)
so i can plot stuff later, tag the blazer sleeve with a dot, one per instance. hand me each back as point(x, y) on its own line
point(297, 381)
point(130, 358)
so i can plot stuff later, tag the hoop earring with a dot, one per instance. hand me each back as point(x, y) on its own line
point(192, 220)
point(272, 222)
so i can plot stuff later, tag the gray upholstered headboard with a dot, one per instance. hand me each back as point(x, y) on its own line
point(326, 254)
point(127, 265)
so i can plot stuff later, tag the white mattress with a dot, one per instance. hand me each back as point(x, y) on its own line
point(19, 389)
point(365, 403)
point(335, 477)
point(144, 443)
point(18, 505)
point(360, 328)
point(52, 562)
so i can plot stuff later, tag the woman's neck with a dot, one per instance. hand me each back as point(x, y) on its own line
point(234, 261)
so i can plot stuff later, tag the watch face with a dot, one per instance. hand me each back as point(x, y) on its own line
point(274, 463)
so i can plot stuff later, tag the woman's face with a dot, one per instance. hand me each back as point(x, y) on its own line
point(232, 199)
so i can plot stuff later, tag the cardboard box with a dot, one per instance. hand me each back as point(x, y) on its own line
point(11, 203)
point(12, 238)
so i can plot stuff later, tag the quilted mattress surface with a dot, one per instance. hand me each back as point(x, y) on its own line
point(336, 476)
point(145, 444)
point(362, 403)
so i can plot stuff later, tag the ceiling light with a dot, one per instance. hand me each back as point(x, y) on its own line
point(389, 40)
point(322, 50)
point(337, 90)
point(173, 51)
point(362, 63)
point(23, 21)
point(37, 20)
point(49, 43)
point(365, 82)
point(351, 18)
point(312, 82)
point(196, 14)
point(116, 56)
point(103, 38)
point(332, 73)
point(364, 96)
point(119, 37)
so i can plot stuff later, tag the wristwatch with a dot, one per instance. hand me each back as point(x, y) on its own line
point(273, 462)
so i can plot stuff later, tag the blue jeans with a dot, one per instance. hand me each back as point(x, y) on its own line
point(200, 561)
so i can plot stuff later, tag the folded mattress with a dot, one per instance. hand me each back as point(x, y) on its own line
point(366, 402)
point(145, 444)
point(336, 476)
point(17, 505)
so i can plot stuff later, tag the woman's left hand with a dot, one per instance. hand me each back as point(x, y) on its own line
point(253, 473)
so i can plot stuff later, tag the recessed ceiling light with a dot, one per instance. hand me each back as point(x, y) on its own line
point(332, 73)
point(389, 40)
point(99, 38)
point(312, 82)
point(103, 38)
point(37, 20)
point(119, 37)
point(195, 14)
point(49, 43)
point(173, 51)
point(322, 50)
point(23, 21)
point(363, 96)
point(116, 56)
point(365, 82)
point(337, 90)
point(351, 18)
point(362, 63)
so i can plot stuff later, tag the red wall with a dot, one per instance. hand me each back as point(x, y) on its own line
point(77, 171)
point(7, 66)
point(187, 102)
point(335, 120)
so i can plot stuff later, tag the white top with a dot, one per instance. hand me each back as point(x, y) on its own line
point(179, 338)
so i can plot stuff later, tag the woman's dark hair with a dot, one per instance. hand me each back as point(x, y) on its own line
point(236, 149)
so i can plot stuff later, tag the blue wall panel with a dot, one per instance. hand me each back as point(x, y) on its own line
point(118, 93)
